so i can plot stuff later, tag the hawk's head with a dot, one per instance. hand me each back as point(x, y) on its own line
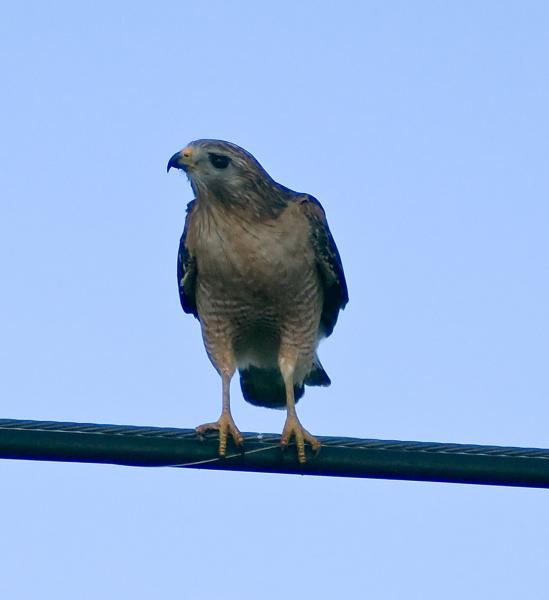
point(219, 167)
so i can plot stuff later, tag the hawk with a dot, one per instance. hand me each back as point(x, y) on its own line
point(259, 268)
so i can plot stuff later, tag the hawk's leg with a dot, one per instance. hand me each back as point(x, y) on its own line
point(225, 424)
point(293, 427)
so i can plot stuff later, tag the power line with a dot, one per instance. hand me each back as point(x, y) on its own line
point(339, 456)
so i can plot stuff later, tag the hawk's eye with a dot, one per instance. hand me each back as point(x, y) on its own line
point(219, 161)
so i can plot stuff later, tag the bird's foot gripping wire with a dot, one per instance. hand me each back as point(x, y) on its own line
point(225, 425)
point(294, 429)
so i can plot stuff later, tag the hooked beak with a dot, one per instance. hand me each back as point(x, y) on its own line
point(180, 160)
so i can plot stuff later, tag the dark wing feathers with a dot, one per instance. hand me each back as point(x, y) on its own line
point(329, 264)
point(186, 270)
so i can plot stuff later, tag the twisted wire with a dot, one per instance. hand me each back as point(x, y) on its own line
point(270, 438)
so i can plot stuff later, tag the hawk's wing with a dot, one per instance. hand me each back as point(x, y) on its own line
point(186, 269)
point(328, 263)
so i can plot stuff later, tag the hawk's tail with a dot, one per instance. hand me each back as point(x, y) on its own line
point(265, 387)
point(317, 375)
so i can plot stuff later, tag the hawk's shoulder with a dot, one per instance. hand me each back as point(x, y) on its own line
point(186, 268)
point(328, 261)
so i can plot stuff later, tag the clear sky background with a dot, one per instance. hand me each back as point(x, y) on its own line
point(423, 129)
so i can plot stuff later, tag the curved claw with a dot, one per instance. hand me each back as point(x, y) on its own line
point(225, 425)
point(293, 428)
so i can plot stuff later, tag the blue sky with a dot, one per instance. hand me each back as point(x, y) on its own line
point(423, 129)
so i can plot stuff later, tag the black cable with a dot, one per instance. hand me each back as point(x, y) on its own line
point(338, 456)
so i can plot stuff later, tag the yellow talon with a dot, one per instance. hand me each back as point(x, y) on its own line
point(225, 425)
point(293, 428)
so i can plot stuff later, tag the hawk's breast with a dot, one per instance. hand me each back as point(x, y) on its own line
point(257, 282)
point(239, 256)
